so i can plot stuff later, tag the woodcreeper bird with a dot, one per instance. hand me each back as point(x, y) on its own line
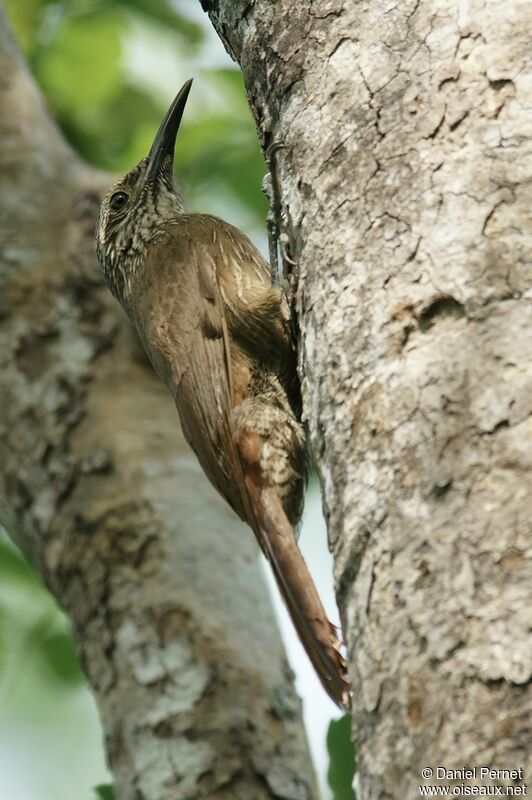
point(218, 334)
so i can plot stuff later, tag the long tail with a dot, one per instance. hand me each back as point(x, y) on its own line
point(317, 634)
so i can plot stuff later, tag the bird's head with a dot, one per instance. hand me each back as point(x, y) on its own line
point(134, 209)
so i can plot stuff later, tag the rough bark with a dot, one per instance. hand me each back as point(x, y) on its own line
point(160, 580)
point(406, 190)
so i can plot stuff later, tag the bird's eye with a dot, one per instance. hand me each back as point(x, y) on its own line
point(118, 200)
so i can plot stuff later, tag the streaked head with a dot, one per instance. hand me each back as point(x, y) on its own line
point(137, 205)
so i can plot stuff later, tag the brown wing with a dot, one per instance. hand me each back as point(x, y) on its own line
point(257, 313)
point(188, 343)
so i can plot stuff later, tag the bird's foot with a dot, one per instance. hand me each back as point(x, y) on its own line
point(278, 240)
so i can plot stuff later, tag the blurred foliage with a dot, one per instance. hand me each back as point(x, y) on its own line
point(47, 717)
point(32, 628)
point(87, 56)
point(342, 756)
point(105, 791)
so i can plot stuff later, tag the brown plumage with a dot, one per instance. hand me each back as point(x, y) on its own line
point(218, 334)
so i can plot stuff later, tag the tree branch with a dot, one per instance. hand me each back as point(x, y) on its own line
point(159, 579)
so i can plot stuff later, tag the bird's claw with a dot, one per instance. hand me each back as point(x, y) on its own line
point(277, 236)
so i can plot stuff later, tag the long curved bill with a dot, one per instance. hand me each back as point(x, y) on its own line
point(161, 155)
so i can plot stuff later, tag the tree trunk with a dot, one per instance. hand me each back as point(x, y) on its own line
point(160, 580)
point(406, 194)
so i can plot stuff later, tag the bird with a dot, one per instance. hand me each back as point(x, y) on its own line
point(218, 332)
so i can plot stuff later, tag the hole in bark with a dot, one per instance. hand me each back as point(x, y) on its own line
point(442, 307)
point(500, 84)
point(441, 490)
point(494, 683)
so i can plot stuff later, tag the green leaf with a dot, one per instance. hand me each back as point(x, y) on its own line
point(105, 791)
point(342, 764)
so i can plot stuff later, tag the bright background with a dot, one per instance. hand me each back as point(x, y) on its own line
point(109, 69)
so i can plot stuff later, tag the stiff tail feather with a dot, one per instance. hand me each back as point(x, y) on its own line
point(317, 634)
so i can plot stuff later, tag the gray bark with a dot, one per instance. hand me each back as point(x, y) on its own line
point(160, 580)
point(406, 193)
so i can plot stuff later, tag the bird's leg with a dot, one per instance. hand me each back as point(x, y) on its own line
point(276, 222)
point(271, 226)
